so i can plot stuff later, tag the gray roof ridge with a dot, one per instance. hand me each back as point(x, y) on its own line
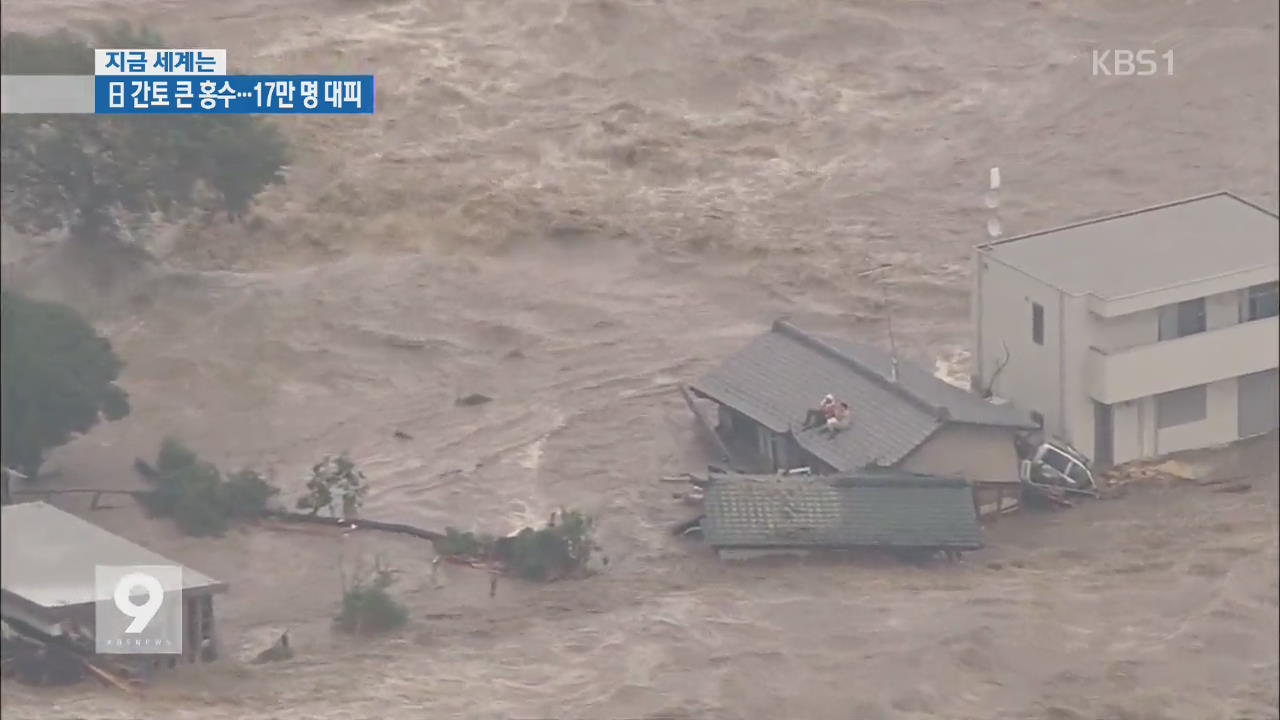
point(1128, 213)
point(814, 343)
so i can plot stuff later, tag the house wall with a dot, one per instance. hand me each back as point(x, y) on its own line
point(1134, 421)
point(1222, 310)
point(1061, 378)
point(1219, 426)
point(1137, 437)
point(1003, 315)
point(1075, 422)
point(1134, 424)
point(1126, 331)
point(1113, 334)
point(974, 452)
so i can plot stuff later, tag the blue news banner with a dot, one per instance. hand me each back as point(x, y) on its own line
point(233, 95)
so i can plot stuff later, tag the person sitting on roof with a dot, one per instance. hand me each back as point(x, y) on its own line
point(839, 420)
point(817, 417)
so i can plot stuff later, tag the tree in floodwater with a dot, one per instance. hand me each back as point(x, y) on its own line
point(196, 494)
point(367, 605)
point(560, 549)
point(103, 179)
point(59, 379)
point(335, 483)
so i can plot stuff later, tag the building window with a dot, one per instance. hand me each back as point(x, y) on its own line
point(1037, 323)
point(1260, 301)
point(1180, 407)
point(1185, 318)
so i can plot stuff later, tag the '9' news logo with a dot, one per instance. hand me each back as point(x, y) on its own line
point(139, 609)
point(142, 614)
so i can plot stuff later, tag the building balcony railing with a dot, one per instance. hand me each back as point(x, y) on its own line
point(1192, 360)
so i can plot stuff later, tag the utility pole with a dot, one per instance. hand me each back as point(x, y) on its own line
point(888, 313)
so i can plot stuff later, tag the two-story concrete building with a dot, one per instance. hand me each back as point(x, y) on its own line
point(1137, 334)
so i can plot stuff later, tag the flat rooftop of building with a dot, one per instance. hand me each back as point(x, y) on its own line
point(1149, 249)
point(48, 557)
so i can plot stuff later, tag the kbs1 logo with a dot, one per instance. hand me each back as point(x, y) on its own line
point(139, 610)
point(1132, 63)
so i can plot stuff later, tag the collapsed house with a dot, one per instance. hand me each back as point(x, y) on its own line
point(746, 516)
point(48, 587)
point(902, 416)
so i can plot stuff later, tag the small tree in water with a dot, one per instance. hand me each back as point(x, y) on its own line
point(559, 550)
point(196, 494)
point(367, 606)
point(334, 482)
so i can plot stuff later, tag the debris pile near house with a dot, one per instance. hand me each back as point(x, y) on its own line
point(34, 658)
point(1167, 472)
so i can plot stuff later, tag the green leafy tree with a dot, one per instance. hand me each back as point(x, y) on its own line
point(555, 551)
point(58, 379)
point(335, 483)
point(196, 495)
point(560, 549)
point(103, 178)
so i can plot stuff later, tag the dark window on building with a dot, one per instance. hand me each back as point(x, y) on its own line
point(1260, 301)
point(1182, 319)
point(1037, 323)
point(1180, 407)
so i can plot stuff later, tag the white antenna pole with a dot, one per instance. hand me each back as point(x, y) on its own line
point(993, 204)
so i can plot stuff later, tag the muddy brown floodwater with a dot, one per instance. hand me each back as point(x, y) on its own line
point(572, 205)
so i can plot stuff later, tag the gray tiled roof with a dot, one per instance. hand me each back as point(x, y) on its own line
point(783, 373)
point(840, 512)
point(962, 406)
point(1147, 249)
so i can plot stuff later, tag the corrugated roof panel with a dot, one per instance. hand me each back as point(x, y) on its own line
point(757, 512)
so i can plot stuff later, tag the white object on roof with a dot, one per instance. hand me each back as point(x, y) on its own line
point(48, 556)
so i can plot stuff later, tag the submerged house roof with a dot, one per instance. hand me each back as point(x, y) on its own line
point(893, 510)
point(783, 373)
point(49, 557)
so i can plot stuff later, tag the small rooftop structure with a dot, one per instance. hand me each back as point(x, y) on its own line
point(783, 373)
point(891, 510)
point(1145, 250)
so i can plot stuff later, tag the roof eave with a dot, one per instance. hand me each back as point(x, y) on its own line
point(698, 389)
